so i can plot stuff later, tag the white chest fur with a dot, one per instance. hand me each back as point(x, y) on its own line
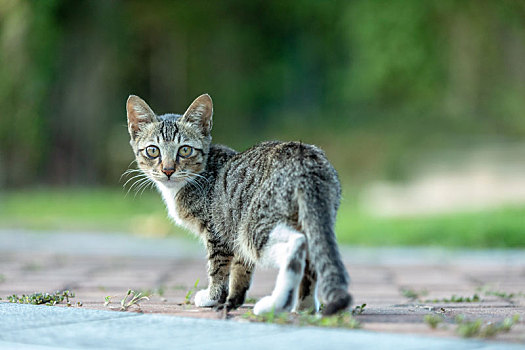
point(169, 195)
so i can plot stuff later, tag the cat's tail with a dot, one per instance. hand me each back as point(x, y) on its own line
point(317, 220)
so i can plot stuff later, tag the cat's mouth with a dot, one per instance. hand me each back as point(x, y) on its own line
point(171, 182)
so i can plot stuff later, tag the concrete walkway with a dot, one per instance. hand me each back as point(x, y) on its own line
point(95, 266)
point(41, 327)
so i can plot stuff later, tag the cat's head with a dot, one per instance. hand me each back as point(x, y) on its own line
point(170, 149)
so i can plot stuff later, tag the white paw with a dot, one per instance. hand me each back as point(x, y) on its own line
point(265, 305)
point(202, 299)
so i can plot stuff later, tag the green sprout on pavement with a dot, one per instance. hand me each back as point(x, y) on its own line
point(191, 291)
point(131, 298)
point(43, 298)
point(456, 299)
point(341, 320)
point(508, 297)
point(477, 328)
point(358, 310)
point(107, 300)
point(433, 320)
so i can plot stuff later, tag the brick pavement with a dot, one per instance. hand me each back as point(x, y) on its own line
point(96, 266)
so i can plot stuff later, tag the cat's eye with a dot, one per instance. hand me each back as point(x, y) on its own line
point(152, 151)
point(185, 151)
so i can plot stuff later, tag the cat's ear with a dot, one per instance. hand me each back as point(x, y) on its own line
point(200, 114)
point(139, 113)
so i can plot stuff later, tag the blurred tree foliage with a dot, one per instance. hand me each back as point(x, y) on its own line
point(368, 80)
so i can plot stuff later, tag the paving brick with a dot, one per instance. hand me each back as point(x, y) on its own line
point(377, 279)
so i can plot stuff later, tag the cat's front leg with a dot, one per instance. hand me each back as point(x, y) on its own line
point(219, 262)
point(240, 280)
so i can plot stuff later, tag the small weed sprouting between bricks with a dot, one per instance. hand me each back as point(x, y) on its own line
point(502, 295)
point(191, 291)
point(42, 298)
point(341, 320)
point(358, 310)
point(508, 297)
point(107, 300)
point(433, 320)
point(414, 295)
point(270, 317)
point(131, 298)
point(477, 328)
point(456, 299)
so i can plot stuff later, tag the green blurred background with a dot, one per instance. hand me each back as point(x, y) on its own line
point(420, 105)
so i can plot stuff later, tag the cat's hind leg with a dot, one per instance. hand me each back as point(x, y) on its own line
point(287, 249)
point(308, 300)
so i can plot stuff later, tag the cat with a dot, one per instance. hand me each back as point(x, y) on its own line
point(273, 204)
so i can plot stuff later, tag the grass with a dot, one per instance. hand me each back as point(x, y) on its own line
point(341, 320)
point(109, 209)
point(416, 296)
point(433, 320)
point(478, 328)
point(191, 291)
point(43, 298)
point(358, 309)
point(456, 299)
point(495, 228)
point(97, 209)
point(132, 298)
point(470, 328)
point(506, 296)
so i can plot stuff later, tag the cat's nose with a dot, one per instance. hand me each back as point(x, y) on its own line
point(168, 171)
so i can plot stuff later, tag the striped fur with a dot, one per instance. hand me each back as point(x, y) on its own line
point(274, 203)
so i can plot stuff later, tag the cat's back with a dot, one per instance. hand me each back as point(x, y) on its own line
point(276, 165)
point(260, 185)
point(276, 157)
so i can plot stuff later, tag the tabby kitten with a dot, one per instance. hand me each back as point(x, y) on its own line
point(275, 204)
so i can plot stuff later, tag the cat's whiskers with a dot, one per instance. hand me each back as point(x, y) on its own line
point(135, 184)
point(151, 185)
point(141, 178)
point(129, 170)
point(130, 173)
point(184, 172)
point(190, 179)
point(141, 175)
point(143, 185)
point(196, 184)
